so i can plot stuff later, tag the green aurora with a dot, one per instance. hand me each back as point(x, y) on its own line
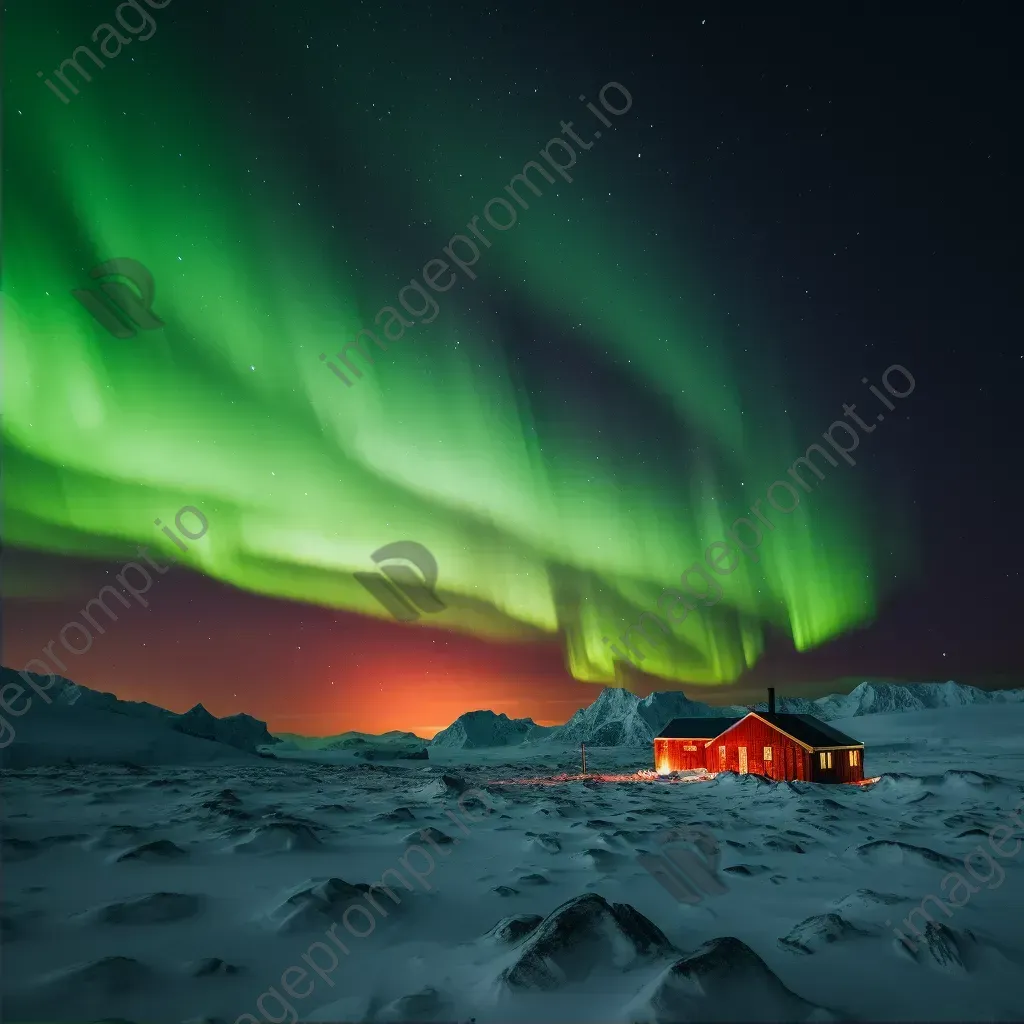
point(548, 513)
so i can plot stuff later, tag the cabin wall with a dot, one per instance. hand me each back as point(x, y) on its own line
point(841, 770)
point(789, 760)
point(672, 755)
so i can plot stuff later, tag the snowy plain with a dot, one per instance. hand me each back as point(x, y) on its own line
point(147, 891)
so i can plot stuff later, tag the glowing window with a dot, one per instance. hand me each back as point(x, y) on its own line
point(721, 756)
point(854, 758)
point(767, 753)
point(825, 759)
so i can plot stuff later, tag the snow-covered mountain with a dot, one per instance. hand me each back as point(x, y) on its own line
point(241, 731)
point(885, 698)
point(348, 740)
point(478, 729)
point(620, 718)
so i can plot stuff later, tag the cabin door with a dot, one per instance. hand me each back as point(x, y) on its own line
point(743, 760)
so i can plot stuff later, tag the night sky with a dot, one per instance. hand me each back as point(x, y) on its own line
point(784, 208)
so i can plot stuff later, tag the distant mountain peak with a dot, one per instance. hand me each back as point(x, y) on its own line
point(478, 729)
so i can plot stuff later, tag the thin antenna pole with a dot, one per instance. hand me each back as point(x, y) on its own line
point(583, 751)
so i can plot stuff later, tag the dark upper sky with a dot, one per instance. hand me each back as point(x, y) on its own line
point(846, 183)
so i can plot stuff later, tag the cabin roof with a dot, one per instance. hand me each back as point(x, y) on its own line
point(810, 730)
point(807, 729)
point(696, 728)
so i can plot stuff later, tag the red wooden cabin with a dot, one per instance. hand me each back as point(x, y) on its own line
point(682, 743)
point(780, 746)
point(787, 747)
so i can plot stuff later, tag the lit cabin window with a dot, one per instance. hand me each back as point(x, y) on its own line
point(825, 759)
point(854, 758)
point(767, 753)
point(721, 757)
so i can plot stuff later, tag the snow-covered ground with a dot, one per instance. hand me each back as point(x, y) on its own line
point(153, 893)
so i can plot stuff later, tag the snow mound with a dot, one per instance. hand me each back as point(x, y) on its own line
point(278, 837)
point(477, 730)
point(892, 853)
point(315, 904)
point(158, 850)
point(154, 908)
point(867, 903)
point(582, 936)
point(724, 980)
point(814, 933)
point(424, 1005)
point(108, 976)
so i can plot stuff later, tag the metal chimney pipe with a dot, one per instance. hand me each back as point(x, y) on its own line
point(771, 700)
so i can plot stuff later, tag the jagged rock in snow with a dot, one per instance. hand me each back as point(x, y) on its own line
point(509, 930)
point(940, 947)
point(724, 980)
point(814, 933)
point(241, 731)
point(398, 814)
point(476, 730)
point(544, 841)
point(584, 935)
point(444, 787)
point(532, 879)
point(620, 718)
point(747, 870)
point(597, 859)
point(428, 835)
point(209, 966)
